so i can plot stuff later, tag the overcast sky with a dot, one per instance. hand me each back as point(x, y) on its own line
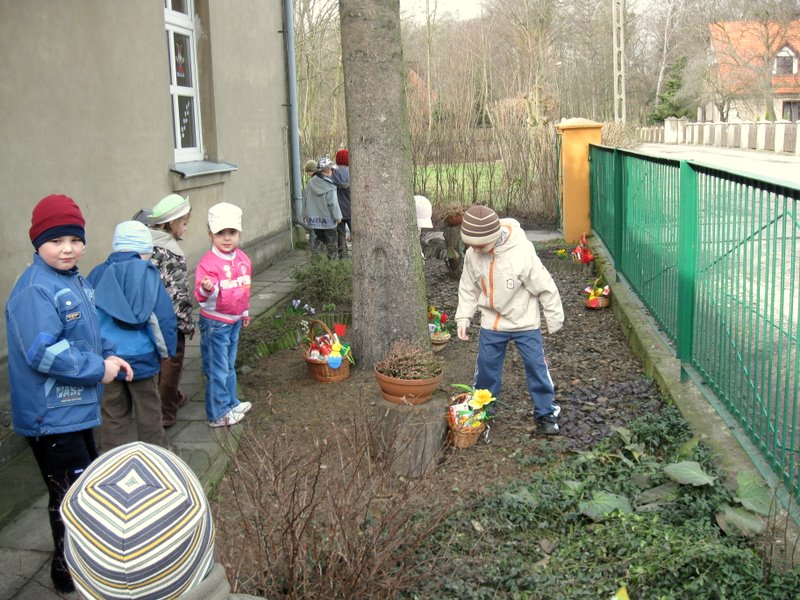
point(468, 9)
point(460, 9)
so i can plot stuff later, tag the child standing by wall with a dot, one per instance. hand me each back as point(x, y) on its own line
point(170, 218)
point(222, 287)
point(57, 360)
point(504, 278)
point(136, 314)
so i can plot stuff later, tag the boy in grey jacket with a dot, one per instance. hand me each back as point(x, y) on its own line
point(321, 212)
point(504, 278)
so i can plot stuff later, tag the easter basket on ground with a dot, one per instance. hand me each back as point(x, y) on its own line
point(467, 416)
point(328, 359)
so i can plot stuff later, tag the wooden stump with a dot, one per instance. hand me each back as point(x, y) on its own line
point(455, 250)
point(410, 438)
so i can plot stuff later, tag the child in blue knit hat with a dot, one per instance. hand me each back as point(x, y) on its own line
point(135, 312)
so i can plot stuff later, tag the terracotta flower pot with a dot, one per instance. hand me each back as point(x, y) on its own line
point(407, 391)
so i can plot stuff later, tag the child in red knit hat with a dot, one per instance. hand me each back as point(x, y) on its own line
point(57, 359)
point(341, 177)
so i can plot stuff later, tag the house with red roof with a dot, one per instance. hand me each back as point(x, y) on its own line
point(754, 73)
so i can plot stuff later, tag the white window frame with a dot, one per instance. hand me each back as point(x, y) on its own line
point(183, 24)
point(784, 52)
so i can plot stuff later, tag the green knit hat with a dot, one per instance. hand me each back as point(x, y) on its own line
point(170, 208)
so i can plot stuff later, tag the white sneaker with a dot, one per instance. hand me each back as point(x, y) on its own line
point(226, 420)
point(242, 408)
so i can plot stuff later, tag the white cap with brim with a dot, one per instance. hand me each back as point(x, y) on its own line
point(424, 212)
point(224, 216)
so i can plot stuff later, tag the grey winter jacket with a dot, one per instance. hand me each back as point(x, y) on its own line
point(320, 203)
point(215, 587)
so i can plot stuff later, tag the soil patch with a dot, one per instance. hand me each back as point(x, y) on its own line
point(600, 385)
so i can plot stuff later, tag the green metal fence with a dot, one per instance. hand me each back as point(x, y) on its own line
point(714, 255)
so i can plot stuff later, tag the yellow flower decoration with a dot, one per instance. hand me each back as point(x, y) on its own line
point(480, 398)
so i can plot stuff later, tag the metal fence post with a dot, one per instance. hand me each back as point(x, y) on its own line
point(687, 262)
point(619, 201)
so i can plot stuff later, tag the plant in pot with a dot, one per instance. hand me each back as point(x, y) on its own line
point(409, 373)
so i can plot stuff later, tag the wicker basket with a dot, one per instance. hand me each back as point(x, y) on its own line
point(602, 302)
point(464, 438)
point(319, 369)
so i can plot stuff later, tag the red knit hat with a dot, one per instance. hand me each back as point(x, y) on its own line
point(54, 216)
point(343, 158)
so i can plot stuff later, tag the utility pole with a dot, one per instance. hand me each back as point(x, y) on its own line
point(618, 24)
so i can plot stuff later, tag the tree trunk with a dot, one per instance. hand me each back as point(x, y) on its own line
point(410, 438)
point(389, 301)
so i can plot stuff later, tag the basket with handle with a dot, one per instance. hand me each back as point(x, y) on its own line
point(464, 437)
point(319, 369)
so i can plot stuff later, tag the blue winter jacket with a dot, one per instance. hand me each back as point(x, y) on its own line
point(135, 312)
point(55, 352)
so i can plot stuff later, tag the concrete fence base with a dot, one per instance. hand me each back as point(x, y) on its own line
point(779, 136)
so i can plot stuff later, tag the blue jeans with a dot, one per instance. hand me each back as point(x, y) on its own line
point(218, 344)
point(492, 354)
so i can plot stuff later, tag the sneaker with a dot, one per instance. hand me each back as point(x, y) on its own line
point(242, 408)
point(228, 419)
point(548, 425)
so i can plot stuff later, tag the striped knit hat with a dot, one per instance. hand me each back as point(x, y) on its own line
point(480, 226)
point(132, 236)
point(138, 525)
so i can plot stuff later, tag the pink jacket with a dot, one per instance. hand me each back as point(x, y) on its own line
point(229, 301)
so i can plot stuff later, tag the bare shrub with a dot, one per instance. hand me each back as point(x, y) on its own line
point(619, 135)
point(332, 523)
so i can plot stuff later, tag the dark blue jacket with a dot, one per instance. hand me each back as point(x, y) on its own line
point(135, 312)
point(55, 352)
point(341, 177)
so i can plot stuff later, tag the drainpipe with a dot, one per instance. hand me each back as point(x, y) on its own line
point(294, 129)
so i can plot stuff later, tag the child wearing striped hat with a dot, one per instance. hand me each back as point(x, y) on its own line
point(135, 313)
point(505, 279)
point(138, 525)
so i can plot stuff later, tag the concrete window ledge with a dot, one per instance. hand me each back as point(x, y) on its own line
point(199, 173)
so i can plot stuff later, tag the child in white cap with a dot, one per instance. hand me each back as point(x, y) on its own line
point(222, 287)
point(135, 313)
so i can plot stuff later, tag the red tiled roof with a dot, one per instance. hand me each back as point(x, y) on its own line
point(745, 49)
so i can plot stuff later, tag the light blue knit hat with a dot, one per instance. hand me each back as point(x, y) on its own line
point(138, 525)
point(132, 236)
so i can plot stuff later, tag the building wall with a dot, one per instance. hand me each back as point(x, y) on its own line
point(84, 111)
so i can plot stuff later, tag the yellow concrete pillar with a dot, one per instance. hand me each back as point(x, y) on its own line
point(576, 135)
